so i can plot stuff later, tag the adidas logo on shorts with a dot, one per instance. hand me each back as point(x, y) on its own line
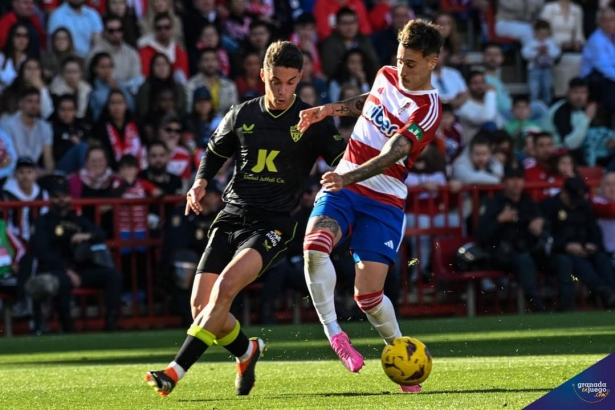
point(389, 244)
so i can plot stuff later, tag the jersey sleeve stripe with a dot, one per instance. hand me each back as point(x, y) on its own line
point(429, 115)
point(214, 151)
point(436, 112)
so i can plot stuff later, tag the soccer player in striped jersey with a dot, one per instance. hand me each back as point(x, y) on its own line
point(365, 195)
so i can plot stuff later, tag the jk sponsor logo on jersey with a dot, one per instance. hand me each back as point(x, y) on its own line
point(375, 113)
point(248, 129)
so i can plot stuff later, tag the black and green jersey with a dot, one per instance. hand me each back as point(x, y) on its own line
point(272, 158)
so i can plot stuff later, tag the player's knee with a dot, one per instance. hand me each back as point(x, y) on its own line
point(369, 301)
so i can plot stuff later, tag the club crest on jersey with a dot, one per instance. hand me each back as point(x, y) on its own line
point(295, 133)
point(375, 113)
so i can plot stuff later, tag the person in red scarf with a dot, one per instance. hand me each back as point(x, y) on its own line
point(117, 132)
point(604, 207)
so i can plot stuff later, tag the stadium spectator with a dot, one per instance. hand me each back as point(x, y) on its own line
point(577, 250)
point(541, 53)
point(259, 37)
point(22, 186)
point(201, 122)
point(538, 168)
point(307, 93)
point(8, 156)
point(566, 20)
point(604, 207)
point(480, 110)
point(514, 19)
point(451, 86)
point(386, 38)
point(23, 11)
point(493, 58)
point(30, 75)
point(345, 36)
point(156, 171)
point(476, 165)
point(598, 66)
point(31, 136)
point(429, 209)
point(568, 120)
point(354, 69)
point(599, 144)
point(70, 81)
point(83, 22)
point(325, 13)
point(126, 59)
point(117, 132)
point(161, 77)
point(305, 38)
point(309, 76)
point(202, 14)
point(69, 135)
point(511, 229)
point(128, 17)
point(180, 160)
point(61, 47)
point(161, 42)
point(521, 125)
point(156, 8)
point(449, 136)
point(103, 82)
point(250, 84)
point(54, 242)
point(210, 38)
point(452, 40)
point(236, 25)
point(223, 91)
point(17, 50)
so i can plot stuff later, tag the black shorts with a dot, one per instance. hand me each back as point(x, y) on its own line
point(237, 228)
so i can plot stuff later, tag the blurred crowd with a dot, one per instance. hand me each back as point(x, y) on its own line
point(118, 99)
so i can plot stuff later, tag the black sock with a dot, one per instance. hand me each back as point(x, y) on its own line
point(238, 346)
point(197, 342)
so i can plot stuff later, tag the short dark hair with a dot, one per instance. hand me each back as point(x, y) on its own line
point(207, 50)
point(128, 160)
point(473, 74)
point(542, 25)
point(344, 11)
point(112, 17)
point(577, 82)
point(65, 98)
point(259, 23)
point(482, 138)
point(521, 99)
point(491, 44)
point(304, 19)
point(539, 135)
point(421, 36)
point(163, 16)
point(71, 59)
point(157, 143)
point(283, 54)
point(96, 146)
point(28, 91)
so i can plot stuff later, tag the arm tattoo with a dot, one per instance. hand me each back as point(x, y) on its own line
point(326, 222)
point(396, 148)
point(351, 107)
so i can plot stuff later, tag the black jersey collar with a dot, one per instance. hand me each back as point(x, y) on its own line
point(276, 116)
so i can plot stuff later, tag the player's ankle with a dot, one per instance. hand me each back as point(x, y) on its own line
point(332, 329)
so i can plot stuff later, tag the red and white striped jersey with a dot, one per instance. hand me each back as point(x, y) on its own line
point(390, 109)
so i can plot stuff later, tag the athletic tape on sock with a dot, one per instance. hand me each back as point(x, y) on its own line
point(318, 241)
point(203, 335)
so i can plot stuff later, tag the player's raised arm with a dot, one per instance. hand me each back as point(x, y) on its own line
point(398, 147)
point(351, 107)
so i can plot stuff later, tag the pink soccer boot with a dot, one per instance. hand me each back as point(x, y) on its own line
point(348, 355)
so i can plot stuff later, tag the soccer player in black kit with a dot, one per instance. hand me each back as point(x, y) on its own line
point(273, 160)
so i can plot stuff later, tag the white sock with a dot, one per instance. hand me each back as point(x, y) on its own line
point(178, 370)
point(382, 317)
point(320, 277)
point(244, 357)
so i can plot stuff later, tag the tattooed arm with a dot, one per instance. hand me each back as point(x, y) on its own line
point(398, 147)
point(350, 107)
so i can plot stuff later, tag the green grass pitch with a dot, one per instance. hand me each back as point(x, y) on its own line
point(483, 363)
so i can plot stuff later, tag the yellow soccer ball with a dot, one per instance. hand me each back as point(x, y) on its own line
point(406, 361)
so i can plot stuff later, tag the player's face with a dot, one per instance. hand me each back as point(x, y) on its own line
point(280, 85)
point(413, 69)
